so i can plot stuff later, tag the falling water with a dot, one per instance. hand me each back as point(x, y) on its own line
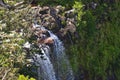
point(56, 66)
point(45, 67)
point(62, 65)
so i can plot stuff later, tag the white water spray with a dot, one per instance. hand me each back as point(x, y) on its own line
point(45, 67)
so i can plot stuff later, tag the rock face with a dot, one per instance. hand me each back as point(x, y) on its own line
point(56, 19)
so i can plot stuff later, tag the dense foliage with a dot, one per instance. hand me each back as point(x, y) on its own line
point(95, 55)
point(98, 46)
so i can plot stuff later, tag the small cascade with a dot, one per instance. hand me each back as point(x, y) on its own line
point(62, 65)
point(45, 67)
point(54, 66)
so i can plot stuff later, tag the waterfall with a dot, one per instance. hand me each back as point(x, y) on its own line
point(45, 67)
point(62, 65)
point(55, 66)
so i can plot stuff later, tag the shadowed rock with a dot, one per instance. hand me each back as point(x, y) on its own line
point(3, 4)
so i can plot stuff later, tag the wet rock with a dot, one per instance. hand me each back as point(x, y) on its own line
point(70, 13)
point(34, 3)
point(59, 9)
point(63, 31)
point(45, 10)
point(27, 45)
point(56, 19)
point(42, 57)
point(46, 24)
point(71, 27)
point(48, 40)
point(53, 25)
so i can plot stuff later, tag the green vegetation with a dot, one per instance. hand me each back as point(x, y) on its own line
point(67, 3)
point(22, 77)
point(12, 55)
point(98, 46)
point(96, 53)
